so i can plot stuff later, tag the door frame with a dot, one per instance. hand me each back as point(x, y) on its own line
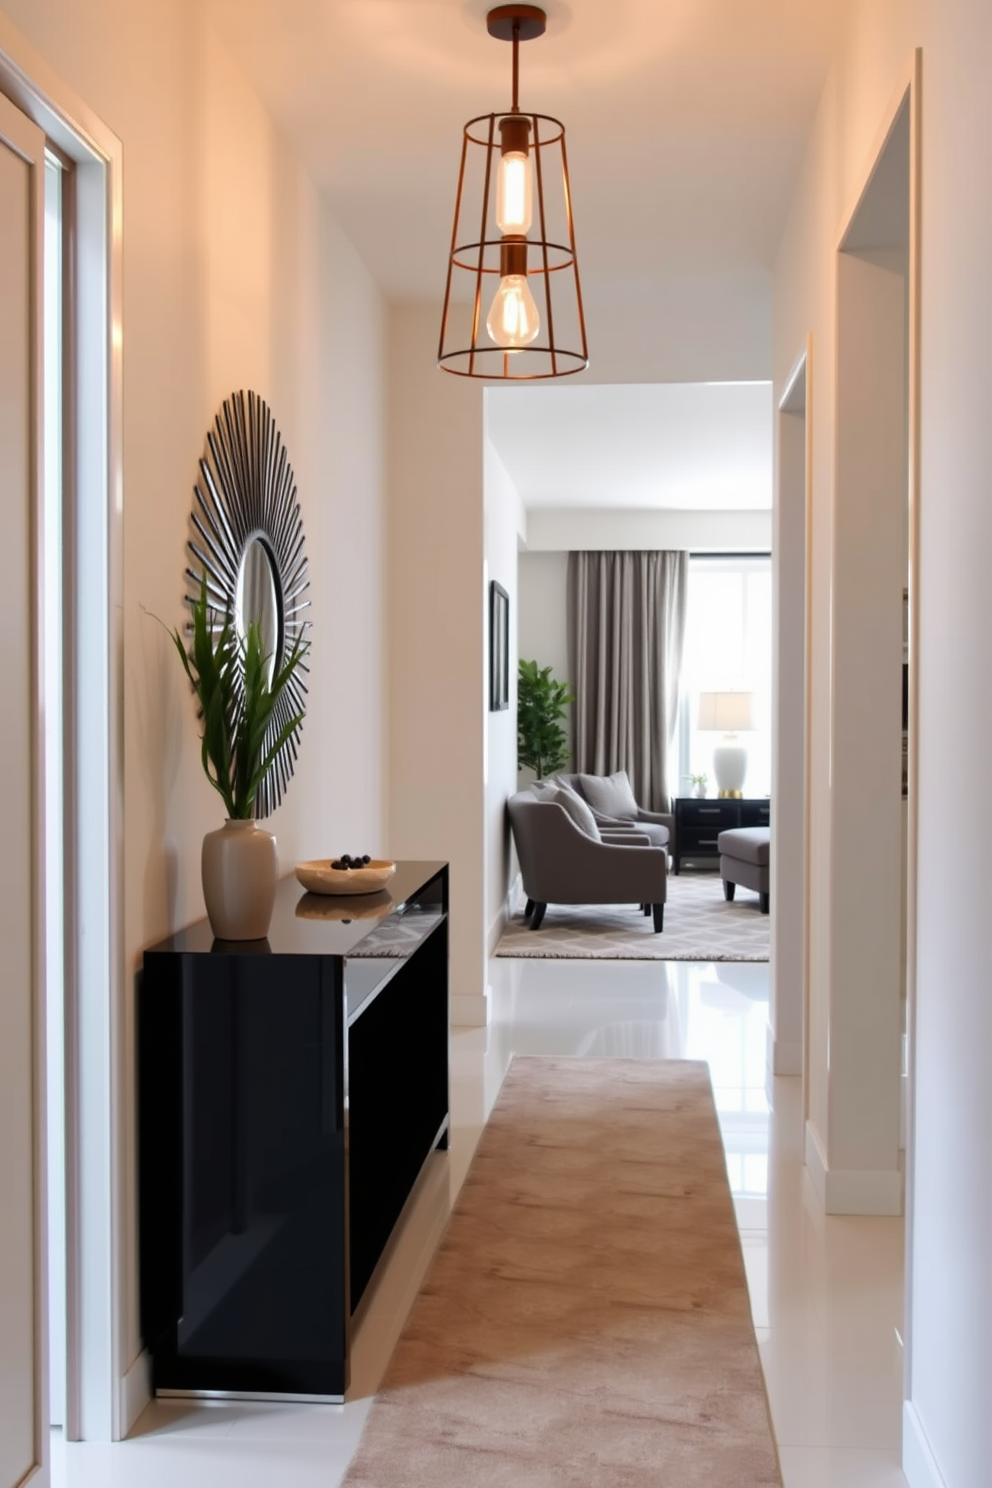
point(797, 398)
point(93, 646)
point(906, 95)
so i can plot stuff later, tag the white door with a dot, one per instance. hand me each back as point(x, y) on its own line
point(23, 1407)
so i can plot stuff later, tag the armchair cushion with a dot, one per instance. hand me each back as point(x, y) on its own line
point(610, 795)
point(612, 827)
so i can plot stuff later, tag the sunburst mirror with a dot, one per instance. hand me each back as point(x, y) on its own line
point(248, 545)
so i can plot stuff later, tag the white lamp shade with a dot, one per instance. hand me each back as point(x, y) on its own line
point(726, 712)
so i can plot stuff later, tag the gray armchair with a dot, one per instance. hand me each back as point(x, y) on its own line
point(561, 863)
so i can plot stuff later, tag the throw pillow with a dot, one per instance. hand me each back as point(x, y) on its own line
point(580, 813)
point(569, 802)
point(610, 794)
point(545, 790)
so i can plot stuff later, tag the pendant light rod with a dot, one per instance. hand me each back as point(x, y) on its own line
point(516, 23)
point(516, 67)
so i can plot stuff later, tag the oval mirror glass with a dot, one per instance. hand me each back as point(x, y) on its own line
point(257, 599)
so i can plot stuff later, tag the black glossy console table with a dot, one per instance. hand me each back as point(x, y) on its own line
point(289, 1094)
point(698, 823)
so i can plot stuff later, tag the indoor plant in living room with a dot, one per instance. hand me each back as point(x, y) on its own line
point(542, 744)
point(237, 697)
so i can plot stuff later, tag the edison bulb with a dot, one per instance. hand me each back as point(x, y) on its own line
point(513, 321)
point(515, 193)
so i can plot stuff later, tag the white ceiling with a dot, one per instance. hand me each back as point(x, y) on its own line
point(685, 447)
point(686, 124)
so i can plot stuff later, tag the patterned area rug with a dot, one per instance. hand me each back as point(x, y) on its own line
point(585, 1323)
point(699, 926)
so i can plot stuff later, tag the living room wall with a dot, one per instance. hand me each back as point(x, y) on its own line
point(947, 1430)
point(235, 276)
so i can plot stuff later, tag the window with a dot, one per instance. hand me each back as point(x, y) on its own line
point(728, 648)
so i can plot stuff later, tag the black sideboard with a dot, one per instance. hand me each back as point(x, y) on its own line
point(698, 823)
point(289, 1093)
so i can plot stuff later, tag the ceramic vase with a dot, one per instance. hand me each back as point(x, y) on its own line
point(240, 867)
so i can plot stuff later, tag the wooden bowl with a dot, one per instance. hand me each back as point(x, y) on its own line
point(320, 878)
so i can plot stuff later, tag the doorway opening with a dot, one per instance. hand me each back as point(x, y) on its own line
point(862, 799)
point(71, 623)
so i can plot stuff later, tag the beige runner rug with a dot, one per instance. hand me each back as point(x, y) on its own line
point(585, 1323)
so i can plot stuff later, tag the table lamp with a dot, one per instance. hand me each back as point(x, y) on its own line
point(728, 713)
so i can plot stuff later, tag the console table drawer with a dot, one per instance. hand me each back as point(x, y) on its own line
point(715, 814)
point(699, 839)
point(756, 813)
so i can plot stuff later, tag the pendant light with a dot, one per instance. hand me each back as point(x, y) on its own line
point(512, 301)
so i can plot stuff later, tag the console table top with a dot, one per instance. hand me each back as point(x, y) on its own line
point(729, 800)
point(306, 924)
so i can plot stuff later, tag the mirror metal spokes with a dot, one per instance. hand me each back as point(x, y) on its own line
point(248, 548)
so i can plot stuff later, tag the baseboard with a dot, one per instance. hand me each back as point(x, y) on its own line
point(470, 1012)
point(783, 1056)
point(919, 1465)
point(852, 1190)
point(136, 1391)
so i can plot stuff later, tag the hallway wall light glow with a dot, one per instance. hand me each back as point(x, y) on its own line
point(513, 178)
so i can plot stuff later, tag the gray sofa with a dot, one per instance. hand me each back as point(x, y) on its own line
point(565, 858)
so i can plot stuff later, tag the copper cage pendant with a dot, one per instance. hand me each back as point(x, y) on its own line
point(512, 301)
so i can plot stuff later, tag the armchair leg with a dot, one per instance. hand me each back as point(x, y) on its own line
point(659, 917)
point(728, 889)
point(528, 909)
point(537, 916)
point(763, 903)
point(646, 908)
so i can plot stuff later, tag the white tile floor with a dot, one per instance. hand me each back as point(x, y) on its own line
point(826, 1293)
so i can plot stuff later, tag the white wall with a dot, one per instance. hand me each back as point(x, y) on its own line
point(805, 301)
point(563, 529)
point(438, 694)
point(234, 277)
point(948, 1435)
point(505, 526)
point(713, 323)
point(951, 1290)
point(543, 633)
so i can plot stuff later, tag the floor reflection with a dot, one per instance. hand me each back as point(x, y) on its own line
point(826, 1294)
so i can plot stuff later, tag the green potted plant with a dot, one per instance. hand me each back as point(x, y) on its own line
point(542, 744)
point(699, 784)
point(237, 688)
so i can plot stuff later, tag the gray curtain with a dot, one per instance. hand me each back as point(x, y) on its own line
point(626, 623)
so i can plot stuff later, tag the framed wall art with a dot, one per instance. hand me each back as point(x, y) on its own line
point(499, 648)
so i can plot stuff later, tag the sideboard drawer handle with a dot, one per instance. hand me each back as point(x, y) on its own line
point(707, 842)
point(709, 811)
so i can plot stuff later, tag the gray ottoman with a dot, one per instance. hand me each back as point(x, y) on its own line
point(744, 859)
